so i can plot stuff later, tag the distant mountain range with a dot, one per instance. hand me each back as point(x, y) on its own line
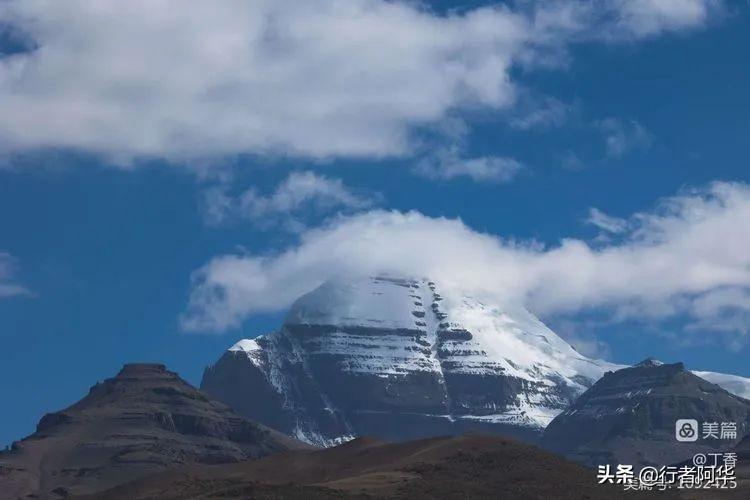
point(395, 359)
point(402, 359)
point(146, 434)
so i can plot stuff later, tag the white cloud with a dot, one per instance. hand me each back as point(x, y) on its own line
point(620, 20)
point(540, 112)
point(182, 79)
point(648, 17)
point(571, 161)
point(725, 309)
point(673, 257)
point(606, 222)
point(448, 164)
point(323, 78)
point(622, 136)
point(8, 286)
point(301, 193)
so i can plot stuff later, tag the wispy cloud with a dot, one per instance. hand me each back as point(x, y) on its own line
point(8, 284)
point(619, 20)
point(301, 195)
point(447, 163)
point(674, 259)
point(606, 222)
point(539, 112)
point(623, 136)
point(571, 161)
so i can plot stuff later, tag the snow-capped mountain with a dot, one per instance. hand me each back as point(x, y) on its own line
point(398, 359)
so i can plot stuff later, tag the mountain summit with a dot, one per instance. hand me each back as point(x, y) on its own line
point(400, 359)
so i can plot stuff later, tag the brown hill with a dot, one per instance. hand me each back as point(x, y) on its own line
point(144, 420)
point(469, 466)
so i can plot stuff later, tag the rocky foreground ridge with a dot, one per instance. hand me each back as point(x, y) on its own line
point(143, 420)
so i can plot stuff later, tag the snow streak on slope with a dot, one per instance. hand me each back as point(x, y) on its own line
point(513, 340)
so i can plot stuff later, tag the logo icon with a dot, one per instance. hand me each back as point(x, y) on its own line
point(686, 430)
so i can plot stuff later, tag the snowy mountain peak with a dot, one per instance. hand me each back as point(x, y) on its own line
point(246, 345)
point(379, 302)
point(649, 362)
point(353, 356)
point(466, 334)
point(401, 358)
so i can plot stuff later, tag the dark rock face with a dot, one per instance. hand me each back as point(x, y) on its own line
point(141, 421)
point(321, 403)
point(392, 358)
point(629, 416)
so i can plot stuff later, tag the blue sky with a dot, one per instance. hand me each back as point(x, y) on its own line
point(165, 230)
